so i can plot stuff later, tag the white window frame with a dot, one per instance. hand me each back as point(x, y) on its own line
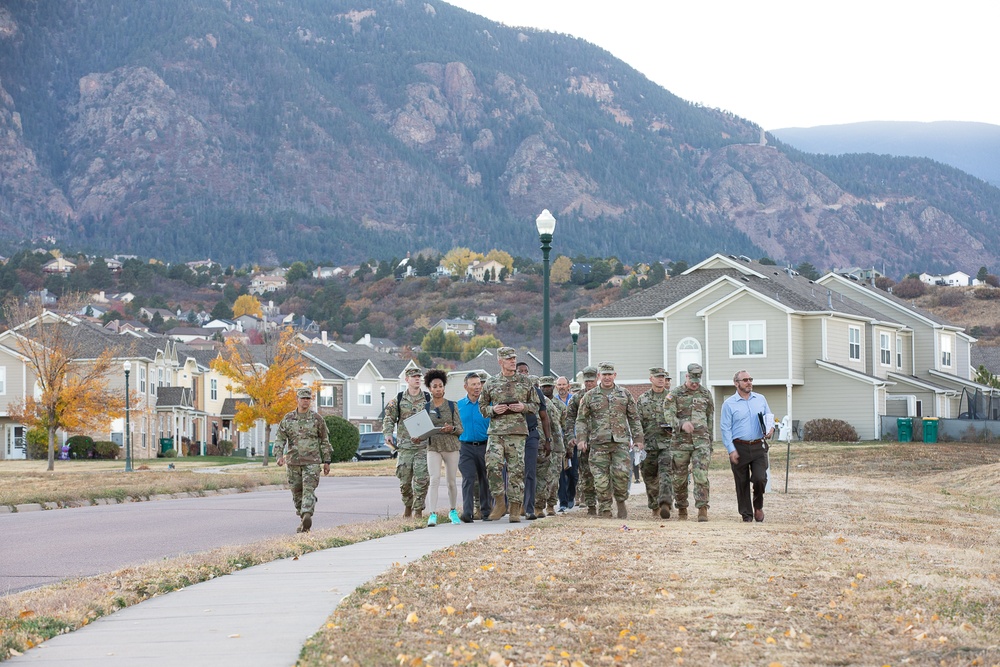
point(899, 351)
point(365, 428)
point(214, 389)
point(884, 349)
point(364, 394)
point(3, 380)
point(744, 332)
point(854, 343)
point(947, 350)
point(327, 396)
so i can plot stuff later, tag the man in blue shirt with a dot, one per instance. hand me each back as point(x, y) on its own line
point(472, 456)
point(743, 436)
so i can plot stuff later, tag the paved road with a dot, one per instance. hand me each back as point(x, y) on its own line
point(38, 548)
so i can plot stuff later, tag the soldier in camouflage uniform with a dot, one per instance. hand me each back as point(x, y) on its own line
point(550, 464)
point(690, 410)
point(586, 483)
point(411, 460)
point(303, 442)
point(506, 399)
point(605, 425)
point(656, 466)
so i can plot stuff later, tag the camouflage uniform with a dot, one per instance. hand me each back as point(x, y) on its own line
point(304, 441)
point(411, 461)
point(694, 449)
point(585, 490)
point(608, 422)
point(507, 432)
point(550, 465)
point(656, 466)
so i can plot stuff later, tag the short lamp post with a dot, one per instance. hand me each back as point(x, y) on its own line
point(574, 331)
point(128, 434)
point(546, 225)
point(382, 389)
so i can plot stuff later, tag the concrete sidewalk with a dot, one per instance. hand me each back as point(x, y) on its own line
point(259, 616)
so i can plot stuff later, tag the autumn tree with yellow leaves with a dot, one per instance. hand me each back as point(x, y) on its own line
point(69, 364)
point(270, 378)
point(247, 304)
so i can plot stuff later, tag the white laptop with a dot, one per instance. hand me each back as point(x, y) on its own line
point(419, 425)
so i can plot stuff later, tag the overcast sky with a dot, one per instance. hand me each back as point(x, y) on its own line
point(794, 63)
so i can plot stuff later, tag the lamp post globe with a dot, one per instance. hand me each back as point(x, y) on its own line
point(127, 366)
point(546, 226)
point(574, 331)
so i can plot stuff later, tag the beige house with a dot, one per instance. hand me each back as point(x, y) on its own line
point(485, 271)
point(826, 349)
point(262, 284)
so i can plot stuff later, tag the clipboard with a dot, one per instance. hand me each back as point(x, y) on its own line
point(419, 425)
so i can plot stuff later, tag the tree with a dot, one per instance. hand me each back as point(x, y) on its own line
point(909, 288)
point(71, 391)
point(452, 346)
point(222, 311)
point(433, 342)
point(457, 260)
point(981, 274)
point(561, 270)
point(677, 268)
point(270, 379)
point(767, 261)
point(501, 257)
point(808, 270)
point(657, 274)
point(247, 304)
point(985, 377)
point(477, 344)
point(297, 271)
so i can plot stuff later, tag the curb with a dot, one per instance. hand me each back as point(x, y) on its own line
point(69, 504)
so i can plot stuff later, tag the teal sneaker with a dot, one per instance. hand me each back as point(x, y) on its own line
point(432, 520)
point(453, 515)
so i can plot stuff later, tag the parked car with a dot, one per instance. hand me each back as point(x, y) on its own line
point(371, 447)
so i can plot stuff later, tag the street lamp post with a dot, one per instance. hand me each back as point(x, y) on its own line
point(546, 225)
point(382, 389)
point(574, 331)
point(128, 435)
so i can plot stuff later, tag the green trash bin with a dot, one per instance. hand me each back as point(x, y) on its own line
point(904, 427)
point(165, 444)
point(930, 429)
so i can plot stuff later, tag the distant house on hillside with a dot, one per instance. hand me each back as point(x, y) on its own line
point(262, 284)
point(461, 327)
point(59, 266)
point(485, 271)
point(868, 275)
point(378, 344)
point(956, 279)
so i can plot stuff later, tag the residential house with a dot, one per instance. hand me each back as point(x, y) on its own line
point(149, 313)
point(324, 272)
point(220, 325)
point(490, 319)
point(485, 364)
point(59, 265)
point(187, 334)
point(956, 279)
point(250, 323)
point(834, 348)
point(867, 274)
point(46, 297)
point(378, 344)
point(262, 284)
point(485, 271)
point(458, 326)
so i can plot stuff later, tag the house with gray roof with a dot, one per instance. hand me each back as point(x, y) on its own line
point(826, 349)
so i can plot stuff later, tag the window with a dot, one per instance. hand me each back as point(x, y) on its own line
point(946, 347)
point(214, 390)
point(884, 351)
point(746, 339)
point(854, 343)
point(364, 428)
point(899, 352)
point(3, 380)
point(142, 379)
point(328, 396)
point(364, 394)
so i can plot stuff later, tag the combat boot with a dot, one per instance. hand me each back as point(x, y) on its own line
point(622, 510)
point(702, 514)
point(499, 507)
point(307, 521)
point(407, 512)
point(515, 513)
point(682, 513)
point(656, 514)
point(418, 514)
point(664, 511)
point(591, 511)
point(605, 514)
point(550, 510)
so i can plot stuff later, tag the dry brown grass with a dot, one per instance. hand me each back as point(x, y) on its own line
point(880, 554)
point(32, 616)
point(87, 481)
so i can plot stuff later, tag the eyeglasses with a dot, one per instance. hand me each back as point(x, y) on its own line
point(746, 379)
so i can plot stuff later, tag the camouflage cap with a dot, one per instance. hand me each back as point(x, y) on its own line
point(659, 371)
point(575, 387)
point(410, 372)
point(590, 373)
point(506, 353)
point(546, 381)
point(533, 378)
point(694, 372)
point(304, 392)
point(606, 367)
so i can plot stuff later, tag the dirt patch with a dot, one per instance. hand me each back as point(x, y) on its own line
point(879, 554)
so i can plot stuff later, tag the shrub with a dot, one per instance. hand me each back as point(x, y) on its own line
point(170, 453)
point(344, 437)
point(909, 288)
point(829, 430)
point(81, 447)
point(226, 447)
point(38, 443)
point(106, 450)
point(951, 297)
point(987, 293)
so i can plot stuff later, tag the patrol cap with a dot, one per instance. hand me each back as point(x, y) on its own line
point(659, 371)
point(694, 372)
point(506, 353)
point(606, 367)
point(410, 372)
point(546, 381)
point(304, 392)
point(575, 387)
point(590, 373)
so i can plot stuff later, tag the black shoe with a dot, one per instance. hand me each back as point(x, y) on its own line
point(748, 519)
point(465, 518)
point(530, 517)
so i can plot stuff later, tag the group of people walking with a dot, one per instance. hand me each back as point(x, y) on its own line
point(529, 446)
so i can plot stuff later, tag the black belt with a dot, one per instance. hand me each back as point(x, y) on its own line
point(480, 443)
point(738, 441)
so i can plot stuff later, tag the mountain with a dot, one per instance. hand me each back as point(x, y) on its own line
point(267, 130)
point(971, 147)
